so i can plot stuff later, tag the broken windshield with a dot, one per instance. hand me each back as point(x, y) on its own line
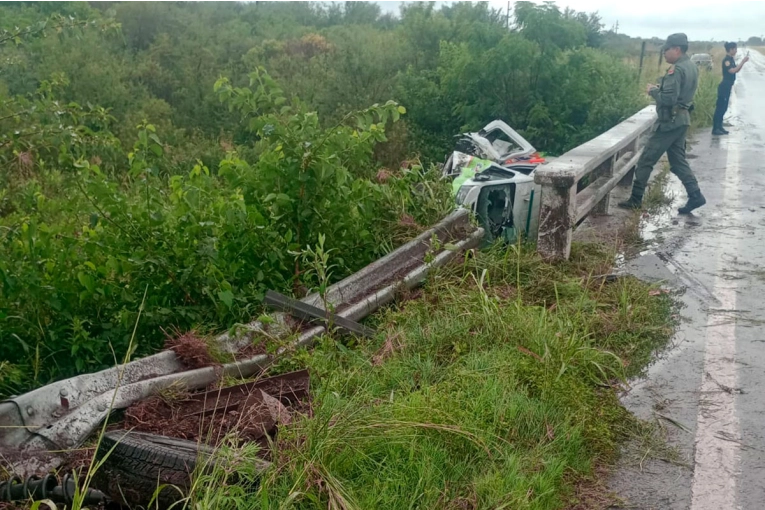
point(502, 142)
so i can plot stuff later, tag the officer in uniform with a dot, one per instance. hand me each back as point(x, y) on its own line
point(729, 72)
point(674, 102)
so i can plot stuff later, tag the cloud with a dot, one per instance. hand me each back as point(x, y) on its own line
point(735, 20)
point(700, 19)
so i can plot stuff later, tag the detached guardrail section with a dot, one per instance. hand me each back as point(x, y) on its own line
point(63, 414)
point(580, 181)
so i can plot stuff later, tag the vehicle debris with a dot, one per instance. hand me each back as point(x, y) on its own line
point(35, 488)
point(308, 312)
point(493, 176)
point(62, 415)
point(137, 460)
point(143, 470)
point(251, 410)
point(496, 142)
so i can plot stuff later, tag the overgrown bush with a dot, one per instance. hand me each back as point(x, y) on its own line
point(202, 207)
point(81, 246)
point(453, 68)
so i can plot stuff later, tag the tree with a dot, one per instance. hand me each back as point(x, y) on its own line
point(592, 24)
point(361, 13)
point(547, 26)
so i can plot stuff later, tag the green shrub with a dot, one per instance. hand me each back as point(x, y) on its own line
point(78, 250)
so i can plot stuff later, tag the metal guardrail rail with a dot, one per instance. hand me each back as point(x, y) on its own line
point(63, 414)
point(579, 182)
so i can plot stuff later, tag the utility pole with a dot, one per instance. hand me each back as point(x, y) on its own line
point(508, 15)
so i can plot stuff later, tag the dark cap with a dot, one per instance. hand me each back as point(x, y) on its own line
point(675, 40)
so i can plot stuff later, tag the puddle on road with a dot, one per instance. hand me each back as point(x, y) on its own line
point(655, 225)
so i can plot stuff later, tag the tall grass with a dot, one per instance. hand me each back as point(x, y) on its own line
point(493, 389)
point(706, 98)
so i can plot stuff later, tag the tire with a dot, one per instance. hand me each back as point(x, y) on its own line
point(137, 464)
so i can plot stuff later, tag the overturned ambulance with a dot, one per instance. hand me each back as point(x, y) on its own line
point(493, 175)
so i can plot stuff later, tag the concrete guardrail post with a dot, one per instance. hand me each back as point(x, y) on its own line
point(567, 197)
point(557, 215)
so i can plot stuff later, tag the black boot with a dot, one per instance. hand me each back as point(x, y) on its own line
point(718, 131)
point(695, 200)
point(633, 203)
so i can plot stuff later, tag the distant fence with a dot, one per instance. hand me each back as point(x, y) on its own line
point(579, 182)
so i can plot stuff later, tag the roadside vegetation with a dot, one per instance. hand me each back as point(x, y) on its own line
point(495, 386)
point(163, 165)
point(194, 151)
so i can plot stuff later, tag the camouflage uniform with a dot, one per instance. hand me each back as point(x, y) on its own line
point(674, 101)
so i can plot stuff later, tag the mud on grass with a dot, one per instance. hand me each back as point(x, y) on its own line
point(656, 201)
point(495, 389)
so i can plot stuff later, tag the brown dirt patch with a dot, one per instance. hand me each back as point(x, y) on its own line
point(392, 345)
point(506, 292)
point(250, 411)
point(158, 415)
point(78, 460)
point(407, 220)
point(592, 493)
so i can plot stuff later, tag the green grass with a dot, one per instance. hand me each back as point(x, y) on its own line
point(706, 99)
point(656, 196)
point(493, 389)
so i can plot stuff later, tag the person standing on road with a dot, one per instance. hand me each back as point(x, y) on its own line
point(674, 102)
point(729, 72)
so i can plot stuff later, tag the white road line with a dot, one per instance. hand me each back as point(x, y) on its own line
point(717, 457)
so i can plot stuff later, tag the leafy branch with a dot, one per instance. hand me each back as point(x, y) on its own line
point(55, 23)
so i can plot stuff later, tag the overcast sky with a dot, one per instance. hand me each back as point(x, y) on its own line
point(718, 20)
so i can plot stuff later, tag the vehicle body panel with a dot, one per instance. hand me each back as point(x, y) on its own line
point(493, 176)
point(702, 60)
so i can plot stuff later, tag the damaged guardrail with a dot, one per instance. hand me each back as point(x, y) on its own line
point(63, 414)
point(579, 182)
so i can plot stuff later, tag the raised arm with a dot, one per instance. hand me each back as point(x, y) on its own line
point(735, 70)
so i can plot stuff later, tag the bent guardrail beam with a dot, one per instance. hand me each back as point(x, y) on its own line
point(63, 414)
point(580, 181)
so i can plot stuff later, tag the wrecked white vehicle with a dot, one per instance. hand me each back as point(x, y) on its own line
point(493, 176)
point(496, 142)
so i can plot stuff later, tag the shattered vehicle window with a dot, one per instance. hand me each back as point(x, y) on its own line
point(502, 142)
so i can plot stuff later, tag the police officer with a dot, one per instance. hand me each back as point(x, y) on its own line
point(674, 101)
point(729, 71)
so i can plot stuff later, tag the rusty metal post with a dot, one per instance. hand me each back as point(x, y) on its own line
point(557, 215)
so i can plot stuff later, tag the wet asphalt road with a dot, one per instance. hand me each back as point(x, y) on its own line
point(708, 390)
